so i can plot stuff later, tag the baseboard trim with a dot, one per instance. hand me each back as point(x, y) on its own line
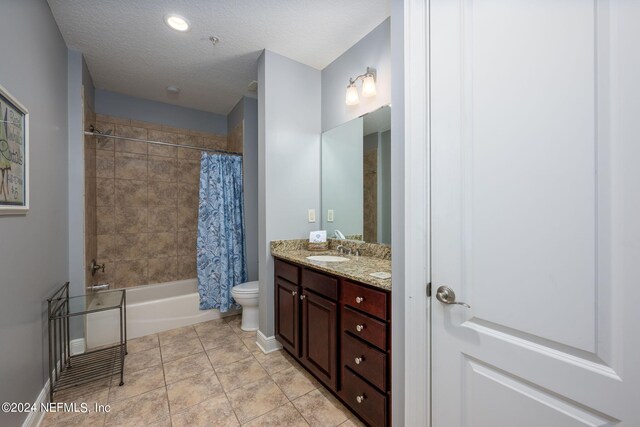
point(77, 346)
point(35, 417)
point(267, 344)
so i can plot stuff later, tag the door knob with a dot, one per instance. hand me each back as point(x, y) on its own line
point(294, 293)
point(445, 295)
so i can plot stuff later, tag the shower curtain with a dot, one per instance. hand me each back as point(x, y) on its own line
point(220, 247)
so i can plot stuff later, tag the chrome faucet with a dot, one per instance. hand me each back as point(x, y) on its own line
point(340, 248)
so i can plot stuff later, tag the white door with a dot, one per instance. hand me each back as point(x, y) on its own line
point(535, 210)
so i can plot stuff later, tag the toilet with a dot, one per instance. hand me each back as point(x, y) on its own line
point(247, 295)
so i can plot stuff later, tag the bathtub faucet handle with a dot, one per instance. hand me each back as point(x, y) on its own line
point(95, 267)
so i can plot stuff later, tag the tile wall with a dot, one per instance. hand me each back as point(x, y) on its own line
point(147, 201)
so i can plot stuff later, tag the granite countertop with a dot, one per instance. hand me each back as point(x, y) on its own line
point(357, 268)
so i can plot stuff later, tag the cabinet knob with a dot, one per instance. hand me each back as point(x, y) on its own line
point(358, 360)
point(359, 299)
point(359, 328)
point(302, 297)
point(361, 398)
point(294, 293)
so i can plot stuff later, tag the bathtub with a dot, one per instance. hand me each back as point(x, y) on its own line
point(150, 309)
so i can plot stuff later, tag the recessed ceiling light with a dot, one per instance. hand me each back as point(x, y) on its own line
point(177, 22)
point(173, 89)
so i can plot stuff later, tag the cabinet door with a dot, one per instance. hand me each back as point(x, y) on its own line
point(319, 337)
point(287, 318)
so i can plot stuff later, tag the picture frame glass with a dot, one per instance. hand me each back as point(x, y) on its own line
point(13, 155)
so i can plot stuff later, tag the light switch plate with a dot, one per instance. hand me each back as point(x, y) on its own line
point(329, 215)
point(312, 215)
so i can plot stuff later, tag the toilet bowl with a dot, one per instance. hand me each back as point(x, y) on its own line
point(247, 295)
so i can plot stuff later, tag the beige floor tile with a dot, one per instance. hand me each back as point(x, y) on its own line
point(251, 345)
point(191, 391)
point(143, 343)
point(295, 383)
point(213, 412)
point(321, 410)
point(76, 420)
point(286, 415)
point(163, 422)
point(255, 399)
point(234, 318)
point(239, 373)
point(140, 410)
point(186, 367)
point(216, 338)
point(353, 422)
point(177, 335)
point(273, 362)
point(228, 354)
point(180, 349)
point(209, 325)
point(236, 323)
point(136, 383)
point(143, 359)
point(99, 397)
point(82, 391)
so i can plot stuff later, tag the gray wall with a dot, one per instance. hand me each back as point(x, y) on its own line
point(246, 112)
point(117, 104)
point(77, 77)
point(34, 249)
point(397, 213)
point(289, 123)
point(250, 163)
point(374, 50)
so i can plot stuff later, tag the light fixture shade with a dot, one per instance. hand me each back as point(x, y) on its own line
point(177, 22)
point(368, 86)
point(352, 95)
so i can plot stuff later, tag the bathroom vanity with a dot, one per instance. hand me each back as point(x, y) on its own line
point(338, 327)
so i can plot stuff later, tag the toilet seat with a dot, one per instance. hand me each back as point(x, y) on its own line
point(246, 288)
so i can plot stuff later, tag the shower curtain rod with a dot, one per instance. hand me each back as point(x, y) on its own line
point(169, 144)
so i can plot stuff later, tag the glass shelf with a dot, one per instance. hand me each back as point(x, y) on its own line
point(86, 304)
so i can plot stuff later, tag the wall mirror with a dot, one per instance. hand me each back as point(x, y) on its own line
point(356, 178)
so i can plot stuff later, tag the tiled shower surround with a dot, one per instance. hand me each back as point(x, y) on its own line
point(147, 201)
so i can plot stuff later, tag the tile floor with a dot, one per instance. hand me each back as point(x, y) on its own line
point(209, 374)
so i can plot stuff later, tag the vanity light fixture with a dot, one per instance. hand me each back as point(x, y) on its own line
point(177, 22)
point(368, 87)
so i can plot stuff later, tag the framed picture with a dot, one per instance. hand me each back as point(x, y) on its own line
point(14, 155)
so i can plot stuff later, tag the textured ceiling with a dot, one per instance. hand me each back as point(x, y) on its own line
point(130, 50)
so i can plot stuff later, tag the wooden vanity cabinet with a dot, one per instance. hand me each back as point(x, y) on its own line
point(287, 305)
point(320, 337)
point(340, 331)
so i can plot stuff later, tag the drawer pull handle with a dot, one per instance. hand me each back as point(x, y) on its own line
point(359, 360)
point(359, 328)
point(359, 299)
point(302, 297)
point(361, 398)
point(294, 293)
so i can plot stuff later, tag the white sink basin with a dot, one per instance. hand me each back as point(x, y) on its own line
point(327, 258)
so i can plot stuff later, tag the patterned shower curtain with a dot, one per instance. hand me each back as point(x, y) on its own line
point(220, 247)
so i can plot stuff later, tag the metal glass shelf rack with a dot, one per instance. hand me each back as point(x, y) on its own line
point(66, 370)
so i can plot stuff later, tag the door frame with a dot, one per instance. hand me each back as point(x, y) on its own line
point(411, 213)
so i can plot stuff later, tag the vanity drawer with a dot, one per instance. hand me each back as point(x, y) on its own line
point(320, 283)
point(368, 402)
point(365, 327)
point(365, 360)
point(287, 271)
point(365, 299)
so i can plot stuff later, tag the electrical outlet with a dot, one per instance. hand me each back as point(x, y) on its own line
point(312, 215)
point(329, 215)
